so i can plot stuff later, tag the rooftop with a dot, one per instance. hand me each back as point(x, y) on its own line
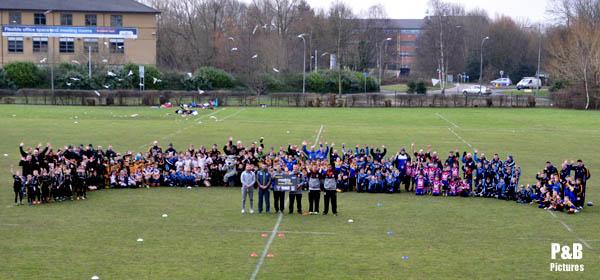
point(393, 23)
point(100, 6)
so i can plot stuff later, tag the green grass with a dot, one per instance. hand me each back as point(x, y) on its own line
point(205, 237)
point(542, 92)
point(396, 87)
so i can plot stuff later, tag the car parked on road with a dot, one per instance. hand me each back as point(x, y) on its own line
point(502, 82)
point(529, 83)
point(477, 90)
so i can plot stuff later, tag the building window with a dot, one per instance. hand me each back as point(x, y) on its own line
point(117, 46)
point(66, 45)
point(91, 20)
point(40, 45)
point(39, 19)
point(90, 43)
point(15, 44)
point(116, 20)
point(14, 18)
point(66, 19)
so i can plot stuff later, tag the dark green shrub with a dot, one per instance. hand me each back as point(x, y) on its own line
point(412, 87)
point(217, 78)
point(421, 88)
point(5, 82)
point(24, 74)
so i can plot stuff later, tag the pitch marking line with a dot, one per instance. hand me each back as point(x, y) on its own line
point(232, 115)
point(448, 121)
point(460, 138)
point(275, 229)
point(318, 135)
point(267, 246)
point(568, 228)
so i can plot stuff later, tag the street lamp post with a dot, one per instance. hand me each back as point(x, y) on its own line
point(381, 58)
point(90, 62)
point(537, 75)
point(481, 62)
point(301, 36)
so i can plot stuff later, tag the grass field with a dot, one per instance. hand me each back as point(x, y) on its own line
point(396, 236)
point(542, 92)
point(396, 87)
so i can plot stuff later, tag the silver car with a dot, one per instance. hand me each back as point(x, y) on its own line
point(477, 90)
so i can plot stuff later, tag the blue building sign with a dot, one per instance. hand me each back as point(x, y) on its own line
point(69, 31)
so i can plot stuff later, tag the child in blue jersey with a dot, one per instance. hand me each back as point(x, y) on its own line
point(352, 177)
point(390, 183)
point(375, 182)
point(362, 181)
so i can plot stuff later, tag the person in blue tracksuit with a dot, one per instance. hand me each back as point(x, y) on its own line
point(263, 179)
point(323, 152)
point(309, 154)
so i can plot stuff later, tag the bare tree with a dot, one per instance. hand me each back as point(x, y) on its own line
point(341, 26)
point(575, 46)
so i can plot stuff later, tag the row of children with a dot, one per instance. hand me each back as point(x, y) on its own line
point(362, 169)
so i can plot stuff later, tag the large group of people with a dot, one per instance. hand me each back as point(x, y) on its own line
point(49, 175)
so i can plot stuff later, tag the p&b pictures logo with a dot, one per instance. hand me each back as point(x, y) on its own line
point(566, 252)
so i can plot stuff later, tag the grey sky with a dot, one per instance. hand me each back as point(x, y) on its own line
point(530, 10)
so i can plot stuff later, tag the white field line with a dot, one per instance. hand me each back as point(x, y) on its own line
point(585, 243)
point(448, 121)
point(275, 229)
point(182, 129)
point(232, 115)
point(318, 135)
point(568, 228)
point(267, 246)
point(460, 138)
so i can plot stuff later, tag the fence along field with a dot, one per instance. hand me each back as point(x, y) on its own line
point(229, 98)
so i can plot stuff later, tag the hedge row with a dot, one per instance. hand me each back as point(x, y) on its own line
point(70, 76)
point(322, 81)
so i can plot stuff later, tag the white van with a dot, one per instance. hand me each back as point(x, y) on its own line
point(529, 83)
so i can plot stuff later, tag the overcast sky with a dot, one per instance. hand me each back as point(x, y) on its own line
point(531, 10)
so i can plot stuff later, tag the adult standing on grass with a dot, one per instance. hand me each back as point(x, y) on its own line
point(278, 194)
point(582, 174)
point(248, 179)
point(296, 192)
point(314, 189)
point(329, 184)
point(263, 178)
